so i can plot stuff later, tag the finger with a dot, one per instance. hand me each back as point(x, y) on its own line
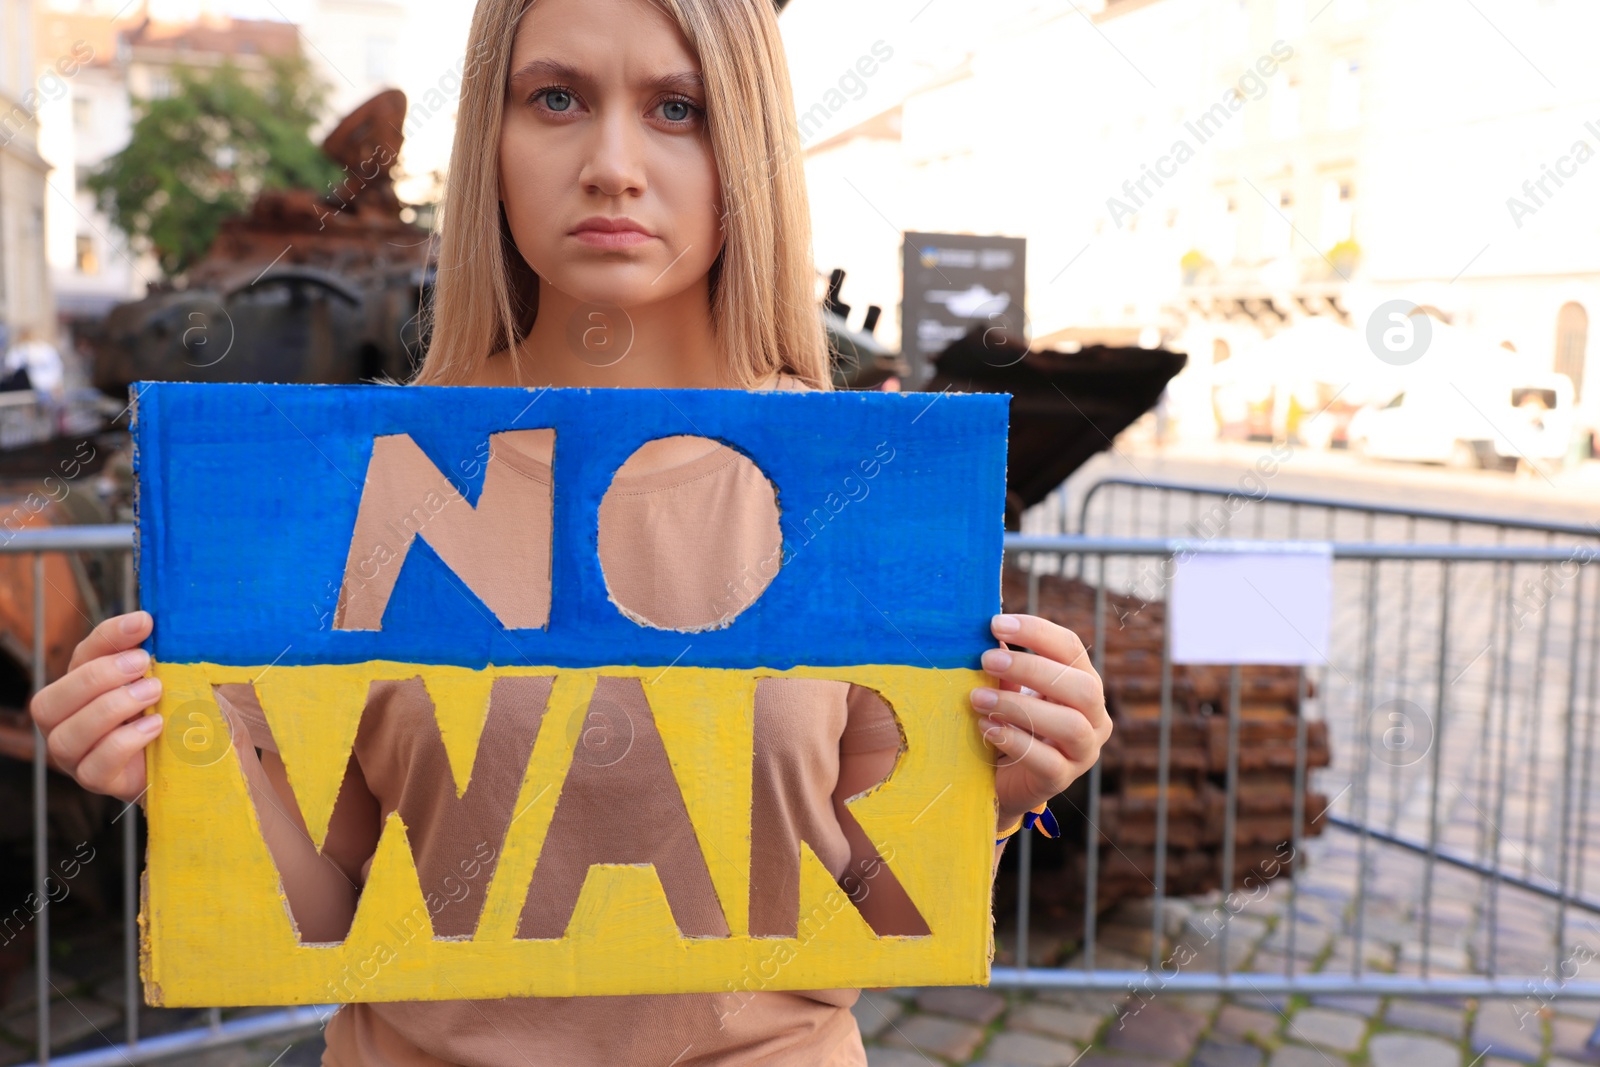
point(1047, 772)
point(65, 696)
point(1067, 729)
point(74, 737)
point(1005, 683)
point(1044, 637)
point(1050, 679)
point(116, 634)
point(115, 766)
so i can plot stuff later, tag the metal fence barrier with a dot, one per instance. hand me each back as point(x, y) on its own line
point(1131, 507)
point(1497, 600)
point(1488, 822)
point(1463, 873)
point(132, 1048)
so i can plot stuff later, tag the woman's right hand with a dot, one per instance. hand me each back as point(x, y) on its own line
point(93, 717)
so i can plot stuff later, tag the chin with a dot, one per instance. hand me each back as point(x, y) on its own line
point(615, 284)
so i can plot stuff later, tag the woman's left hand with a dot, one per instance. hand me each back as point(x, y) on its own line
point(1049, 733)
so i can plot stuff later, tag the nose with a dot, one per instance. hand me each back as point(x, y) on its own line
point(615, 165)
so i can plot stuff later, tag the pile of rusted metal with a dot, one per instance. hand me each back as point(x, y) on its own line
point(1272, 732)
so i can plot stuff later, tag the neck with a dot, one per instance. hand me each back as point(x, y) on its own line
point(669, 344)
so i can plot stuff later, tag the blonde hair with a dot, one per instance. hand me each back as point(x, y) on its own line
point(763, 304)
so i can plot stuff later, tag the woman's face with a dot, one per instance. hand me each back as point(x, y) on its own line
point(606, 170)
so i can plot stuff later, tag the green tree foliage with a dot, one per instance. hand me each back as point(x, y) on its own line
point(205, 152)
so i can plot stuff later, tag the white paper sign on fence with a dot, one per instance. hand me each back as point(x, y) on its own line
point(1252, 605)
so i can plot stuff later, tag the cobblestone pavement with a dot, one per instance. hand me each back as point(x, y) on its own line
point(1149, 1026)
point(911, 1028)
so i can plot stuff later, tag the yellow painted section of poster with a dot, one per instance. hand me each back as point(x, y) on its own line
point(706, 719)
point(216, 928)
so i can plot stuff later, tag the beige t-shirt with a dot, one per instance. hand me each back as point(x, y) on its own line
point(817, 743)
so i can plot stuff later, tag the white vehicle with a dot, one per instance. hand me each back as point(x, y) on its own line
point(1470, 424)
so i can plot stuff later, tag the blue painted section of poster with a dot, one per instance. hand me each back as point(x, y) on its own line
point(248, 497)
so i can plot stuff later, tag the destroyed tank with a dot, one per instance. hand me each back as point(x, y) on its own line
point(306, 288)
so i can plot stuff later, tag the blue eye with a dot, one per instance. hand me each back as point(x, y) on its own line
point(676, 111)
point(557, 99)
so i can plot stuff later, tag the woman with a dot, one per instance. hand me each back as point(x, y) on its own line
point(640, 223)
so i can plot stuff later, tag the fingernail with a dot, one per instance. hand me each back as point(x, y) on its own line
point(1006, 624)
point(996, 659)
point(131, 622)
point(133, 661)
point(145, 689)
point(150, 724)
point(991, 726)
point(985, 698)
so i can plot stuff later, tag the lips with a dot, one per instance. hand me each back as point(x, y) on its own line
point(611, 232)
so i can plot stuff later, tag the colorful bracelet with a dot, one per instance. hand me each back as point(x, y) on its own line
point(1040, 819)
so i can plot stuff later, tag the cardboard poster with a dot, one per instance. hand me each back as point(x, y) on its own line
point(276, 562)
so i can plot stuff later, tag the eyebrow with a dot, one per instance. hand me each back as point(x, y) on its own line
point(688, 82)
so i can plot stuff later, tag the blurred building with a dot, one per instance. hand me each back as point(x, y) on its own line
point(151, 48)
point(91, 266)
point(26, 298)
point(132, 53)
point(1205, 173)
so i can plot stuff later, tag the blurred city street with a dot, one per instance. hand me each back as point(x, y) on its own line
point(1296, 291)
